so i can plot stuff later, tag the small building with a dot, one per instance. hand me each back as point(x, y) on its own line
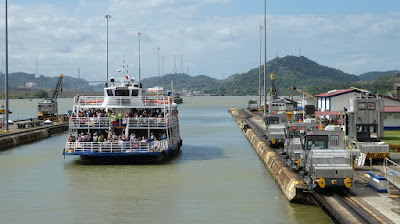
point(333, 104)
point(390, 101)
point(391, 118)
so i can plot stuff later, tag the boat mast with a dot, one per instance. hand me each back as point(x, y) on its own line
point(140, 84)
point(108, 17)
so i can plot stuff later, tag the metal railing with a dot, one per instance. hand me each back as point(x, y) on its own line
point(116, 147)
point(105, 122)
point(95, 122)
point(88, 101)
point(392, 172)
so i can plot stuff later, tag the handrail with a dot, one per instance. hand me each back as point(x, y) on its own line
point(105, 122)
point(158, 101)
point(392, 172)
point(116, 147)
point(96, 122)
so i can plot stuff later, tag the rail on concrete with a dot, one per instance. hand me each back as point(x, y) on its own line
point(392, 172)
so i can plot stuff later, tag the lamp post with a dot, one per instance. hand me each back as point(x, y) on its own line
point(6, 75)
point(265, 56)
point(158, 65)
point(107, 17)
point(139, 34)
point(259, 68)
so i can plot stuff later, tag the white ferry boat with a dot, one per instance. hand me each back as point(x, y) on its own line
point(123, 125)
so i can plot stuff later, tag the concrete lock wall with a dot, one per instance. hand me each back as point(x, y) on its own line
point(30, 136)
point(289, 182)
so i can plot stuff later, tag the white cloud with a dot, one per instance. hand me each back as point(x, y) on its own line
point(210, 44)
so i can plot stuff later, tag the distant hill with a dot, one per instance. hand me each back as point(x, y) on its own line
point(21, 82)
point(300, 72)
point(369, 76)
point(291, 71)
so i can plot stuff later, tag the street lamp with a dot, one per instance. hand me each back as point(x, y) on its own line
point(265, 56)
point(108, 17)
point(259, 68)
point(139, 34)
point(158, 65)
point(6, 75)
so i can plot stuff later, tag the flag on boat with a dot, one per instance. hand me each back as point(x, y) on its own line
point(127, 77)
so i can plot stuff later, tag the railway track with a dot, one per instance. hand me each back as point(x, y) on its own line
point(341, 207)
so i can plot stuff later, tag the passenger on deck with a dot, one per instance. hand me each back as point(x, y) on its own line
point(70, 138)
point(114, 136)
point(95, 137)
point(132, 137)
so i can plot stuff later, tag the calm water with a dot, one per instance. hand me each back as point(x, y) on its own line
point(218, 178)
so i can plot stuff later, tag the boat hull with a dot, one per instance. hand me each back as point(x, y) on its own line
point(127, 157)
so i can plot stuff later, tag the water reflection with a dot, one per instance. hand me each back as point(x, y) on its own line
point(198, 153)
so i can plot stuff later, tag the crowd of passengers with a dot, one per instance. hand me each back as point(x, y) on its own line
point(112, 137)
point(145, 113)
point(121, 117)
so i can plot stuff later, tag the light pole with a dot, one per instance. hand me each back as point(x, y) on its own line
point(139, 34)
point(107, 17)
point(259, 68)
point(162, 65)
point(158, 65)
point(6, 75)
point(265, 56)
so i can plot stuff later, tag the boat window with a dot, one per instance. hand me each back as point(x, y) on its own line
point(371, 106)
point(135, 92)
point(121, 92)
point(109, 92)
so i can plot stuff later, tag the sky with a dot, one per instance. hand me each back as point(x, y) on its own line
point(217, 38)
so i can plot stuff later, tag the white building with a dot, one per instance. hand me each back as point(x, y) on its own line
point(391, 118)
point(335, 102)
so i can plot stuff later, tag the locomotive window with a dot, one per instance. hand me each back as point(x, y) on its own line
point(121, 92)
point(362, 106)
point(317, 141)
point(371, 106)
point(335, 140)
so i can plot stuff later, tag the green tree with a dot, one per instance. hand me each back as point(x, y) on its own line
point(41, 94)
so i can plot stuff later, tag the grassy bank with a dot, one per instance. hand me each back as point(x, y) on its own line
point(393, 139)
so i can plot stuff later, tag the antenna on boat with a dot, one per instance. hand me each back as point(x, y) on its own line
point(108, 17)
point(140, 84)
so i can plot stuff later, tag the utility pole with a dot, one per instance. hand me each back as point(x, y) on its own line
point(6, 75)
point(107, 17)
point(265, 56)
point(158, 65)
point(181, 64)
point(175, 69)
point(259, 68)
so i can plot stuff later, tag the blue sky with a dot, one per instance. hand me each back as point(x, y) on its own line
point(217, 38)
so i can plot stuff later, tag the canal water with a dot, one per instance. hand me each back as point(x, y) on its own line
point(218, 178)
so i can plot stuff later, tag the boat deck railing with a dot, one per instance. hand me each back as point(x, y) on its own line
point(105, 122)
point(116, 147)
point(144, 101)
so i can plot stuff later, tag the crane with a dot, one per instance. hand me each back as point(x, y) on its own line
point(312, 97)
point(48, 108)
